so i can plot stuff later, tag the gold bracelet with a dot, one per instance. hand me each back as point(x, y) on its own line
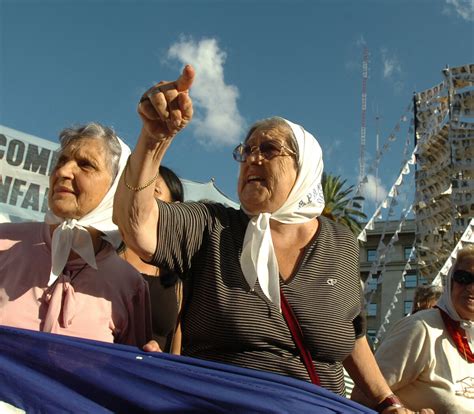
point(141, 187)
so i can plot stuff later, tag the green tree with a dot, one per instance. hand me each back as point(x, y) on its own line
point(340, 207)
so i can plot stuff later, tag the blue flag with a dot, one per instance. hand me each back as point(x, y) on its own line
point(47, 373)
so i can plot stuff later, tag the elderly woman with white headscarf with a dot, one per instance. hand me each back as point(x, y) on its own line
point(427, 358)
point(273, 286)
point(63, 275)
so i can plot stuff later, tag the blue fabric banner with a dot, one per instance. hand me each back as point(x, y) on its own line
point(46, 373)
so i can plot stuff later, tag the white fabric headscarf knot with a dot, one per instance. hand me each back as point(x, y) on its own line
point(445, 302)
point(71, 234)
point(304, 203)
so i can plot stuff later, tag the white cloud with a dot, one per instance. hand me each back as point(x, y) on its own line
point(391, 65)
point(360, 42)
point(217, 119)
point(373, 190)
point(353, 64)
point(463, 8)
point(331, 148)
point(392, 71)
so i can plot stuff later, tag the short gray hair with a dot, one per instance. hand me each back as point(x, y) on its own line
point(95, 130)
point(278, 123)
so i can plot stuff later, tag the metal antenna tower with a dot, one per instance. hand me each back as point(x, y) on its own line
point(363, 131)
point(377, 149)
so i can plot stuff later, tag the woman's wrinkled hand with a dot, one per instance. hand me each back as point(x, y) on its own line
point(166, 108)
point(152, 346)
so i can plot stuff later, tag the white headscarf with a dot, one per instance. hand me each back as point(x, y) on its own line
point(71, 234)
point(445, 302)
point(305, 202)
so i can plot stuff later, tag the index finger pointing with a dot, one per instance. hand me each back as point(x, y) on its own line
point(184, 82)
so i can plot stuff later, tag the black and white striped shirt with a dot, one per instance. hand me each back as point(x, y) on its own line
point(226, 321)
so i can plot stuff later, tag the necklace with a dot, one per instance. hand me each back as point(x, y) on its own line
point(51, 287)
point(101, 246)
point(79, 271)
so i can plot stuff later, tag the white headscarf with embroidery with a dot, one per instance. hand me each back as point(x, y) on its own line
point(71, 234)
point(304, 203)
point(445, 302)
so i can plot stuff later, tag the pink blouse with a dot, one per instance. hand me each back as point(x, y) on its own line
point(110, 304)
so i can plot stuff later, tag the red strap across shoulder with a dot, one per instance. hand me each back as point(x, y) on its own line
point(297, 335)
point(458, 336)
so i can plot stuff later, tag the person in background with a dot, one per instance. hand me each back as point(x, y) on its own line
point(63, 275)
point(258, 273)
point(427, 358)
point(426, 297)
point(164, 285)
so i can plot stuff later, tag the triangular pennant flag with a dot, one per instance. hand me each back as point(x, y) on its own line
point(362, 236)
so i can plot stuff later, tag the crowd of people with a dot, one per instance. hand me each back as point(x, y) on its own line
point(274, 286)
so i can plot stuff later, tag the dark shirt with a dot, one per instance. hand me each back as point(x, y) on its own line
point(164, 307)
point(225, 320)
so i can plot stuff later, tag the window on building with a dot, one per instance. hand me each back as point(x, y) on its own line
point(371, 255)
point(372, 282)
point(408, 307)
point(406, 253)
point(410, 280)
point(372, 309)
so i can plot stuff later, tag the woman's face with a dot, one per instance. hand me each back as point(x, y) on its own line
point(162, 192)
point(80, 179)
point(463, 295)
point(264, 185)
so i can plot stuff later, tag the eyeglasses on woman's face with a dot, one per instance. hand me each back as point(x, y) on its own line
point(267, 149)
point(463, 277)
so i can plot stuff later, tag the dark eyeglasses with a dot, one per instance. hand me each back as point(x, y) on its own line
point(463, 277)
point(267, 149)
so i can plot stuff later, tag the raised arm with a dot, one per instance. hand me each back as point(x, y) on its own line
point(165, 109)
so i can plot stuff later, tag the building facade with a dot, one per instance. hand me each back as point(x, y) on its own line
point(388, 297)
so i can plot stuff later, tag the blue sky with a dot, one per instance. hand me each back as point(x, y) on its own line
point(68, 62)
